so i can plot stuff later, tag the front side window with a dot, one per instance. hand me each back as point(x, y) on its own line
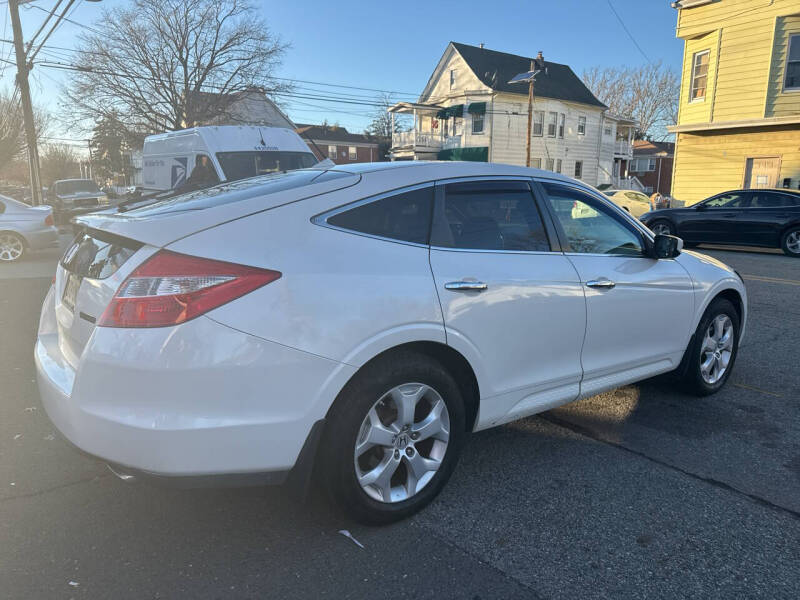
point(792, 79)
point(562, 119)
point(538, 122)
point(489, 215)
point(552, 124)
point(353, 153)
point(578, 169)
point(729, 200)
point(477, 123)
point(581, 125)
point(405, 216)
point(589, 225)
point(699, 76)
point(331, 151)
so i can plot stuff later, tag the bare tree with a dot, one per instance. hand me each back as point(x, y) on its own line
point(168, 64)
point(59, 161)
point(648, 93)
point(12, 128)
point(381, 125)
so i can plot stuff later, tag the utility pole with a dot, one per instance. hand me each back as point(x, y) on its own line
point(530, 114)
point(27, 107)
point(529, 76)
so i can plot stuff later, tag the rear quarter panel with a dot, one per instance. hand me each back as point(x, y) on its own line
point(342, 296)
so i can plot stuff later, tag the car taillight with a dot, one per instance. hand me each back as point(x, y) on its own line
point(171, 288)
point(48, 221)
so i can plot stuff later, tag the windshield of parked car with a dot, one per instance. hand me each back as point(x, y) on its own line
point(240, 165)
point(76, 186)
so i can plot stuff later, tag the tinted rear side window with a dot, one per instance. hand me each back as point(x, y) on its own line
point(489, 215)
point(405, 216)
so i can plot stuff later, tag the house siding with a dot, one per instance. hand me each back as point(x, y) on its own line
point(709, 163)
point(780, 103)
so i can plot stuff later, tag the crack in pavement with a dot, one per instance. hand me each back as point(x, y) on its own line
point(586, 432)
point(55, 488)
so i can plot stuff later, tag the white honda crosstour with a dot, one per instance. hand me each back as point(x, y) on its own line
point(361, 320)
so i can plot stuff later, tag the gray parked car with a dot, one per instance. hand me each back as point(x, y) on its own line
point(23, 228)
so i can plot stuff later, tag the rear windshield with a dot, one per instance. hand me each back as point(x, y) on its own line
point(226, 193)
point(241, 165)
point(97, 255)
point(76, 186)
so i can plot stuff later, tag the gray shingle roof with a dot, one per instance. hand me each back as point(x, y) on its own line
point(495, 69)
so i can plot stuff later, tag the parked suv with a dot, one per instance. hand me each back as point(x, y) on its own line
point(71, 197)
point(362, 320)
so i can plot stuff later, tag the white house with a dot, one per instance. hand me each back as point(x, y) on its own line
point(470, 111)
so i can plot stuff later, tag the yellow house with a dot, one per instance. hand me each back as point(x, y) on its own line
point(739, 113)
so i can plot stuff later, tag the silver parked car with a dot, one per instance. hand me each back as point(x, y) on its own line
point(23, 228)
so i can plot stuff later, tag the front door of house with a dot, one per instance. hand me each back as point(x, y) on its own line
point(762, 172)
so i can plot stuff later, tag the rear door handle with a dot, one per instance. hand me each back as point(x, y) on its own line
point(466, 286)
point(600, 283)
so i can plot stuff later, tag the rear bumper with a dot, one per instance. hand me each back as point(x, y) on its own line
point(40, 239)
point(199, 399)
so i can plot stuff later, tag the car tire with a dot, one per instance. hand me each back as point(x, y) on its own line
point(790, 242)
point(12, 246)
point(712, 354)
point(374, 459)
point(662, 226)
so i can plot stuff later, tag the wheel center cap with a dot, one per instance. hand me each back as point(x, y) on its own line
point(718, 354)
point(402, 440)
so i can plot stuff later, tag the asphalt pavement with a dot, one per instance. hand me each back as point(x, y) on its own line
point(641, 492)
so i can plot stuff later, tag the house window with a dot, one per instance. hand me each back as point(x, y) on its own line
point(538, 122)
point(562, 119)
point(581, 125)
point(477, 123)
point(550, 164)
point(558, 165)
point(697, 93)
point(331, 152)
point(792, 78)
point(552, 123)
point(456, 124)
point(578, 169)
point(452, 78)
point(536, 163)
point(640, 165)
point(352, 153)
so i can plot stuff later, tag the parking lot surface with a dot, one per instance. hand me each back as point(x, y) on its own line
point(641, 492)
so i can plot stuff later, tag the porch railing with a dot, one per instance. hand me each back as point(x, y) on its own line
point(416, 139)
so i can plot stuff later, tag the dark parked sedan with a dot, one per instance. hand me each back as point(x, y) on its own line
point(769, 218)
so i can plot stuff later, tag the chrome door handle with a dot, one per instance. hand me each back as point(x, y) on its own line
point(466, 286)
point(600, 283)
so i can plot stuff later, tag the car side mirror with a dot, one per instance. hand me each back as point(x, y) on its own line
point(699, 206)
point(667, 246)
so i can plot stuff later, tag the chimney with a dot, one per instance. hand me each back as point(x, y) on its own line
point(480, 45)
point(540, 61)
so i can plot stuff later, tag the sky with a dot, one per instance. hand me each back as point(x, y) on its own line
point(371, 44)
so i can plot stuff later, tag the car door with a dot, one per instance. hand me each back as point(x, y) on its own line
point(716, 220)
point(512, 302)
point(639, 309)
point(762, 223)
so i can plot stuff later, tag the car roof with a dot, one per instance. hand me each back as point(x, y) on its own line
point(772, 190)
point(449, 168)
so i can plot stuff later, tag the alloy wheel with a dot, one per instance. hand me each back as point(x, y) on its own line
point(717, 349)
point(793, 242)
point(402, 442)
point(662, 228)
point(11, 247)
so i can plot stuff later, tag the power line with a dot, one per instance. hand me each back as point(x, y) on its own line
point(630, 35)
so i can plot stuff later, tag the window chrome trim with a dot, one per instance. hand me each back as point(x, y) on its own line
point(322, 218)
point(479, 178)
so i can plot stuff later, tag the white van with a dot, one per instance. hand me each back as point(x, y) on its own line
point(231, 152)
